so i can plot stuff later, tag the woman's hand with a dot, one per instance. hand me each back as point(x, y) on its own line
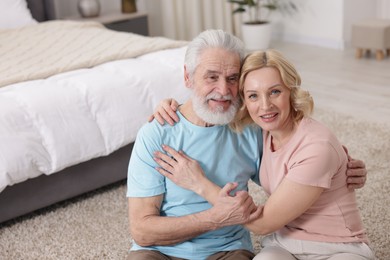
point(180, 169)
point(166, 112)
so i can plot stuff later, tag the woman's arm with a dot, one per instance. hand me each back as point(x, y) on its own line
point(289, 201)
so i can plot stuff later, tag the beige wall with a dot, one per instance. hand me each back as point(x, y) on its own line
point(318, 22)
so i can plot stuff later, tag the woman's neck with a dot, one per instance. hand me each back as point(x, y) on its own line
point(281, 137)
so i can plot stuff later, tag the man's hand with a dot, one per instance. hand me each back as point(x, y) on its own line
point(234, 209)
point(356, 172)
point(166, 112)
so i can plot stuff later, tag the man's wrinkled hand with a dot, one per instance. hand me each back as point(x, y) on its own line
point(356, 174)
point(234, 208)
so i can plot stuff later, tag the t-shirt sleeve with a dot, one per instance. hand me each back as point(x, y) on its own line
point(142, 178)
point(314, 164)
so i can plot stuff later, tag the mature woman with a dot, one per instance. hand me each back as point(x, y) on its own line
point(310, 212)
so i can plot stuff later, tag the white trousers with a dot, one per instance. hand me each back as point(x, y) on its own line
point(276, 247)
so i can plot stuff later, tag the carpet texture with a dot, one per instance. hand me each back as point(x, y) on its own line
point(94, 226)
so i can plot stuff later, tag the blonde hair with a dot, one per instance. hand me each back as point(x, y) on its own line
point(301, 101)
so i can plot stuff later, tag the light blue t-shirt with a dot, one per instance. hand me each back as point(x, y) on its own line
point(225, 156)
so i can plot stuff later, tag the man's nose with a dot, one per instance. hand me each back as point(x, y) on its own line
point(223, 88)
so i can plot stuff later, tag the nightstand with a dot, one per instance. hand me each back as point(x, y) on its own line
point(125, 22)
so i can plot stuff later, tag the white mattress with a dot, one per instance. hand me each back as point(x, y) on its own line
point(48, 125)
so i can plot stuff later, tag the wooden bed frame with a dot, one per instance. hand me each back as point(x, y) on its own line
point(45, 190)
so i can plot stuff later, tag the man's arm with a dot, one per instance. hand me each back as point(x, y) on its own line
point(148, 228)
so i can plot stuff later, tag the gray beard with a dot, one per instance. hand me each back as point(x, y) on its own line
point(218, 117)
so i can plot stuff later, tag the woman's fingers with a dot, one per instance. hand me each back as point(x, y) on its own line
point(166, 158)
point(165, 112)
point(159, 118)
point(165, 168)
point(168, 111)
point(150, 118)
point(175, 154)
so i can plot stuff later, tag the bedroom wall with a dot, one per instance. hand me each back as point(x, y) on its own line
point(317, 22)
point(322, 23)
point(326, 23)
point(358, 10)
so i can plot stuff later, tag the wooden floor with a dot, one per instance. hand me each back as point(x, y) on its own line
point(340, 82)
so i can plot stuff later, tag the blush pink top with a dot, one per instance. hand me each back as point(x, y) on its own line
point(314, 156)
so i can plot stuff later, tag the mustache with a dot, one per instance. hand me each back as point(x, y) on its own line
point(218, 96)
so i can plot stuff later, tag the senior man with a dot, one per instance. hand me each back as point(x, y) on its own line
point(168, 222)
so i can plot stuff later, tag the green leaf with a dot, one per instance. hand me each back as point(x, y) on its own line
point(239, 10)
point(251, 3)
point(238, 2)
point(270, 6)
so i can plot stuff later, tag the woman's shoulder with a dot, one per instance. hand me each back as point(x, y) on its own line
point(314, 127)
point(316, 131)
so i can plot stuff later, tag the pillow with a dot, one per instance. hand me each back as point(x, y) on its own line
point(14, 13)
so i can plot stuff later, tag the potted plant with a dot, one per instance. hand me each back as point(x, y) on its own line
point(256, 30)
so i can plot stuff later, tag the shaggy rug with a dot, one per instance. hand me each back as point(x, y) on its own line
point(94, 226)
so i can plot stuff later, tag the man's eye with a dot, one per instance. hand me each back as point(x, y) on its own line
point(232, 79)
point(213, 78)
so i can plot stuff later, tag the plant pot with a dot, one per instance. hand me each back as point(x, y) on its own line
point(256, 36)
point(129, 6)
point(89, 8)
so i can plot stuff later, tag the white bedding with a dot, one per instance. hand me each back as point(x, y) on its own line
point(48, 48)
point(50, 124)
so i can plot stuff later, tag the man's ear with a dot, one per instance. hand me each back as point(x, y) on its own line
point(187, 80)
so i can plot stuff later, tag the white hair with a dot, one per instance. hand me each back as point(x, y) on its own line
point(211, 39)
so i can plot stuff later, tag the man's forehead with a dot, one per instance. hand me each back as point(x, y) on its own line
point(219, 55)
point(219, 68)
point(220, 65)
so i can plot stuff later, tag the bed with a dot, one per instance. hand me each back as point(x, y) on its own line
point(69, 114)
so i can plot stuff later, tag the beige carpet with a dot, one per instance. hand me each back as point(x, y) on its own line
point(94, 226)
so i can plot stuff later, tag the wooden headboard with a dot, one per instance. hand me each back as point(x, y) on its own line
point(42, 10)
